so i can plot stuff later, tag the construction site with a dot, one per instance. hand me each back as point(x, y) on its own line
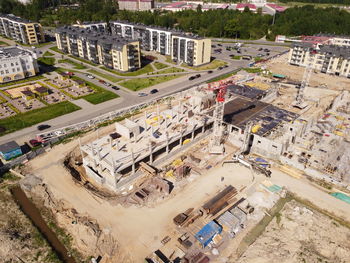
point(191, 177)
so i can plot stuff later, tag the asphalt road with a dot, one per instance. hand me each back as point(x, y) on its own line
point(129, 98)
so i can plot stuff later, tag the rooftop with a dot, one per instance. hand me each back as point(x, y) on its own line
point(13, 51)
point(9, 146)
point(15, 18)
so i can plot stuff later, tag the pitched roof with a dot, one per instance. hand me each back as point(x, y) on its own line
point(8, 147)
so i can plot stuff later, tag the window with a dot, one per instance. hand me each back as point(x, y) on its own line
point(16, 63)
point(18, 69)
point(259, 141)
point(2, 72)
point(11, 64)
point(7, 72)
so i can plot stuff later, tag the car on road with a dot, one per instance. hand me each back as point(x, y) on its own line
point(198, 76)
point(43, 127)
point(107, 84)
point(260, 49)
point(142, 94)
point(115, 88)
point(219, 45)
point(90, 76)
point(191, 78)
point(210, 71)
point(101, 81)
point(34, 143)
point(153, 91)
point(225, 66)
point(220, 68)
point(266, 50)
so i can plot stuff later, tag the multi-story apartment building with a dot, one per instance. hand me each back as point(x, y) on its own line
point(192, 50)
point(100, 48)
point(17, 63)
point(96, 26)
point(136, 5)
point(330, 59)
point(21, 30)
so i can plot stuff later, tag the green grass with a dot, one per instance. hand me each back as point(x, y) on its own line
point(253, 70)
point(73, 63)
point(169, 60)
point(138, 84)
point(103, 75)
point(257, 59)
point(48, 54)
point(159, 65)
point(221, 77)
point(83, 60)
point(101, 94)
point(23, 120)
point(144, 70)
point(236, 57)
point(47, 61)
point(2, 43)
point(57, 50)
point(21, 81)
point(212, 65)
point(169, 70)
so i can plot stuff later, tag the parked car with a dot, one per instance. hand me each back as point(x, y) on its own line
point(220, 68)
point(210, 71)
point(191, 78)
point(115, 88)
point(34, 143)
point(142, 94)
point(225, 66)
point(90, 76)
point(101, 81)
point(219, 45)
point(198, 76)
point(260, 49)
point(107, 84)
point(267, 50)
point(153, 91)
point(43, 127)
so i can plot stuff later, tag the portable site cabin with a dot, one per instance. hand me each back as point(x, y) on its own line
point(207, 233)
point(10, 150)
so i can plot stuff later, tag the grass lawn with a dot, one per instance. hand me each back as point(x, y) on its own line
point(256, 59)
point(159, 65)
point(253, 70)
point(169, 60)
point(23, 120)
point(83, 60)
point(57, 50)
point(212, 65)
point(169, 70)
point(236, 57)
point(75, 64)
point(101, 94)
point(21, 81)
point(2, 43)
point(221, 77)
point(103, 75)
point(146, 69)
point(47, 61)
point(48, 54)
point(138, 84)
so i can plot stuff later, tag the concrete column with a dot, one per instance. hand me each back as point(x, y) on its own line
point(99, 154)
point(117, 143)
point(203, 128)
point(181, 136)
point(111, 142)
point(166, 122)
point(150, 153)
point(133, 160)
point(81, 152)
point(167, 142)
point(192, 135)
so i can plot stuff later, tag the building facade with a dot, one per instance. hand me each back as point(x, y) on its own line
point(21, 30)
point(329, 59)
point(136, 5)
point(100, 48)
point(17, 63)
point(192, 50)
point(96, 26)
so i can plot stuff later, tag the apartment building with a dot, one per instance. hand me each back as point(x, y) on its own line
point(96, 26)
point(329, 59)
point(21, 30)
point(192, 50)
point(17, 63)
point(136, 5)
point(189, 49)
point(100, 48)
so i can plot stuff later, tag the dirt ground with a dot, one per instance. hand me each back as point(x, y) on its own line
point(299, 234)
point(17, 234)
point(280, 65)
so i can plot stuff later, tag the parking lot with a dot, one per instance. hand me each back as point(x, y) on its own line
point(228, 50)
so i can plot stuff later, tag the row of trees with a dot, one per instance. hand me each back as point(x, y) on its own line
point(228, 23)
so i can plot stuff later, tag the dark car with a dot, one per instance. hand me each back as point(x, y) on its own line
point(225, 66)
point(115, 88)
point(260, 49)
point(43, 127)
point(219, 45)
point(191, 78)
point(34, 143)
point(220, 68)
point(198, 76)
point(153, 91)
point(210, 71)
point(267, 50)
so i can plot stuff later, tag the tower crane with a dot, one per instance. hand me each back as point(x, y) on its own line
point(220, 90)
point(300, 99)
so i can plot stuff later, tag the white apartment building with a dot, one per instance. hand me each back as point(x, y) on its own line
point(17, 63)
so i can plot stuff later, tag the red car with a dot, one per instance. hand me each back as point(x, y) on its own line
point(34, 143)
point(101, 80)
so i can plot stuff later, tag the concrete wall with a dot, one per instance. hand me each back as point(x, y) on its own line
point(122, 130)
